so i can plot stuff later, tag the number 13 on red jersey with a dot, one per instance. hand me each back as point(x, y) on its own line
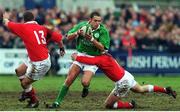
point(40, 37)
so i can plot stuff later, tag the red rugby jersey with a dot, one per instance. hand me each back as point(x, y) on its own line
point(34, 37)
point(106, 63)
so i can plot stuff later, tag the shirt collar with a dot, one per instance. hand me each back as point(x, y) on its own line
point(94, 29)
point(31, 22)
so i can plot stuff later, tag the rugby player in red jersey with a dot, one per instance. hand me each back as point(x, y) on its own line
point(124, 81)
point(35, 39)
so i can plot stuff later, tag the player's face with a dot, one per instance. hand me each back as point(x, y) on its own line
point(95, 21)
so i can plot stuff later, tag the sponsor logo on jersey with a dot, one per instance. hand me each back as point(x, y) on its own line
point(96, 35)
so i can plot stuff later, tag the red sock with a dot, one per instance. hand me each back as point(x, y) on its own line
point(159, 89)
point(32, 94)
point(126, 105)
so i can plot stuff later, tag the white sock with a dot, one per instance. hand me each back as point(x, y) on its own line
point(150, 88)
point(28, 89)
point(21, 77)
point(115, 105)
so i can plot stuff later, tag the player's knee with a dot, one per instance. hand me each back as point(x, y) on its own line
point(108, 106)
point(17, 72)
point(85, 82)
point(140, 90)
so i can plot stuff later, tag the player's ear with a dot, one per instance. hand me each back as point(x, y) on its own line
point(90, 19)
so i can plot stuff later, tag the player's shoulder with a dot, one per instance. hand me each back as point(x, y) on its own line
point(82, 23)
point(15, 23)
point(37, 26)
point(103, 28)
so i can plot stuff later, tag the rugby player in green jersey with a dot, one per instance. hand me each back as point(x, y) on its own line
point(85, 47)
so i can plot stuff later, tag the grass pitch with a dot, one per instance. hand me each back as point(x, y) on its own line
point(100, 88)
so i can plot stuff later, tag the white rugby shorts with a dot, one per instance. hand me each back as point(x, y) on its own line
point(123, 86)
point(36, 70)
point(86, 67)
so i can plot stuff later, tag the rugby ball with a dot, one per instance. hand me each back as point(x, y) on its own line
point(87, 30)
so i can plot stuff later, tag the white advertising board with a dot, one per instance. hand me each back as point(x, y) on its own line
point(10, 59)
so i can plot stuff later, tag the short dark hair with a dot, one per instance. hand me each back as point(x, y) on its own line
point(94, 14)
point(28, 16)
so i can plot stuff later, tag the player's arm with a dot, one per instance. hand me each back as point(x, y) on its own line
point(12, 26)
point(57, 37)
point(85, 59)
point(103, 43)
point(74, 35)
point(75, 32)
point(5, 18)
point(95, 42)
point(5, 22)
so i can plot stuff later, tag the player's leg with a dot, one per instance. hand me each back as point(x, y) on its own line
point(114, 102)
point(26, 85)
point(110, 100)
point(89, 71)
point(72, 74)
point(20, 71)
point(121, 89)
point(34, 72)
point(152, 88)
point(85, 80)
point(29, 92)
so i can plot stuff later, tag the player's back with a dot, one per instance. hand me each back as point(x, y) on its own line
point(34, 38)
point(111, 68)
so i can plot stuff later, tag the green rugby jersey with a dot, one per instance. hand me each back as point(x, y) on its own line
point(85, 46)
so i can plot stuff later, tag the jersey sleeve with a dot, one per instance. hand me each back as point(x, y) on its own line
point(54, 36)
point(15, 27)
point(105, 39)
point(76, 28)
point(87, 60)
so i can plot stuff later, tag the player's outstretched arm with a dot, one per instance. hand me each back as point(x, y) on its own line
point(4, 17)
point(85, 59)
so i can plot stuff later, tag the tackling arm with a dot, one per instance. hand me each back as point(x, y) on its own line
point(87, 60)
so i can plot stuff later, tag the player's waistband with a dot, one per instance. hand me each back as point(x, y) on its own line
point(48, 58)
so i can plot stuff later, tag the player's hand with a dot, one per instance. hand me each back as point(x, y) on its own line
point(80, 32)
point(62, 51)
point(89, 37)
point(74, 56)
point(6, 15)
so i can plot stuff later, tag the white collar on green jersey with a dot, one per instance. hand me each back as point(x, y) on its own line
point(31, 22)
point(96, 28)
